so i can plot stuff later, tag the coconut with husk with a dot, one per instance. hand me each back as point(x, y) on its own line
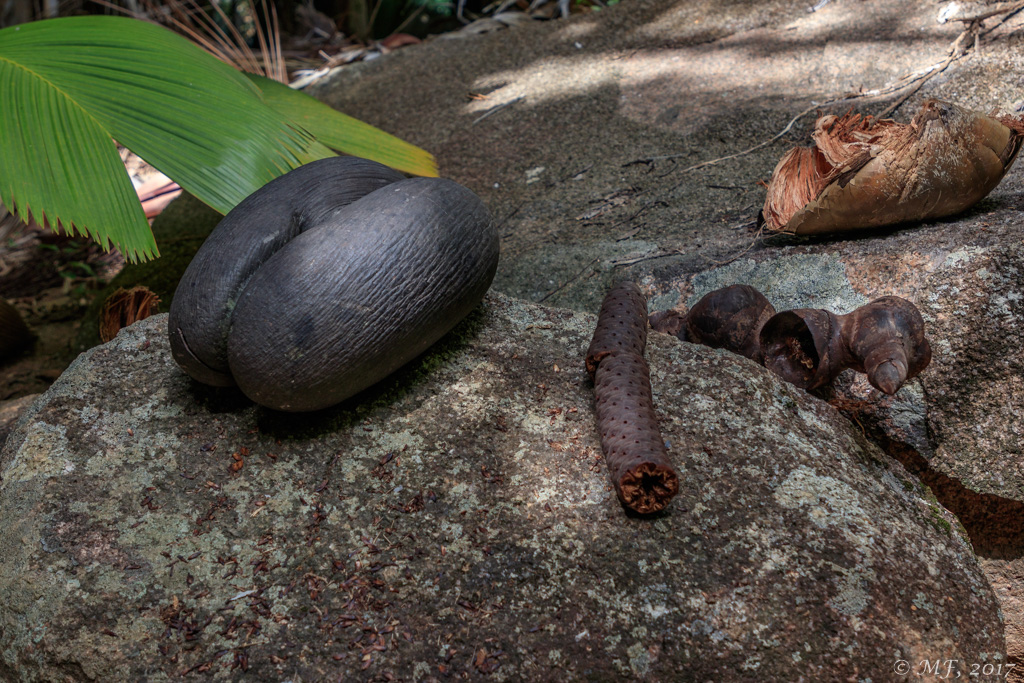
point(864, 172)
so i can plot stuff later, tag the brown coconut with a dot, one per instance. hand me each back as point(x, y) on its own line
point(864, 172)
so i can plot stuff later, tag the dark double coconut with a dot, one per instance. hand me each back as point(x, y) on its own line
point(328, 279)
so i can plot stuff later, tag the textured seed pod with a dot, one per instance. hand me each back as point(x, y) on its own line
point(644, 478)
point(261, 225)
point(884, 339)
point(621, 326)
point(864, 173)
point(330, 278)
point(634, 449)
point(730, 318)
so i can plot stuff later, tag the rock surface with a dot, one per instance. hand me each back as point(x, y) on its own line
point(583, 157)
point(699, 81)
point(458, 519)
point(10, 411)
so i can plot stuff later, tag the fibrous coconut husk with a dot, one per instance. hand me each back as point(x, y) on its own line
point(864, 172)
point(124, 307)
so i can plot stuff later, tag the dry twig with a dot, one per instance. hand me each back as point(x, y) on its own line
point(904, 88)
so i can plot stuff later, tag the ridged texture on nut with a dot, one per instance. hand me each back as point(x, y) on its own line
point(644, 478)
point(260, 226)
point(621, 325)
point(328, 279)
point(349, 302)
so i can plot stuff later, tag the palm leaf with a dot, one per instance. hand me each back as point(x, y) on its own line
point(344, 133)
point(59, 165)
point(67, 86)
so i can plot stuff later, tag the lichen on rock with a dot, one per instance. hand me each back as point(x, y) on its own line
point(457, 519)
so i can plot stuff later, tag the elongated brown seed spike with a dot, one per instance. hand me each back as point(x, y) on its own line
point(633, 447)
point(621, 325)
point(644, 478)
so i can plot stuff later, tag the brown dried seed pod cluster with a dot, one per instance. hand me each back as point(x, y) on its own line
point(810, 347)
point(863, 173)
point(633, 447)
point(883, 339)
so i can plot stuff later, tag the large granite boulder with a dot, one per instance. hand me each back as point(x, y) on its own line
point(591, 127)
point(578, 134)
point(458, 520)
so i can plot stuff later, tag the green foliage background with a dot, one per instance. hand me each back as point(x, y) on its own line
point(69, 87)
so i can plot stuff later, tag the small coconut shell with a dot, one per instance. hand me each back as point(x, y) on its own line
point(863, 173)
point(886, 341)
point(730, 318)
point(805, 347)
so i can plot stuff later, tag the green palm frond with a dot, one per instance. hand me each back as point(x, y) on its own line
point(69, 86)
point(344, 133)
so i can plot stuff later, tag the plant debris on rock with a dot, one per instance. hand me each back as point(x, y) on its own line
point(864, 173)
point(458, 521)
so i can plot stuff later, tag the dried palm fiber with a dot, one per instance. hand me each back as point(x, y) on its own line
point(862, 172)
point(124, 307)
